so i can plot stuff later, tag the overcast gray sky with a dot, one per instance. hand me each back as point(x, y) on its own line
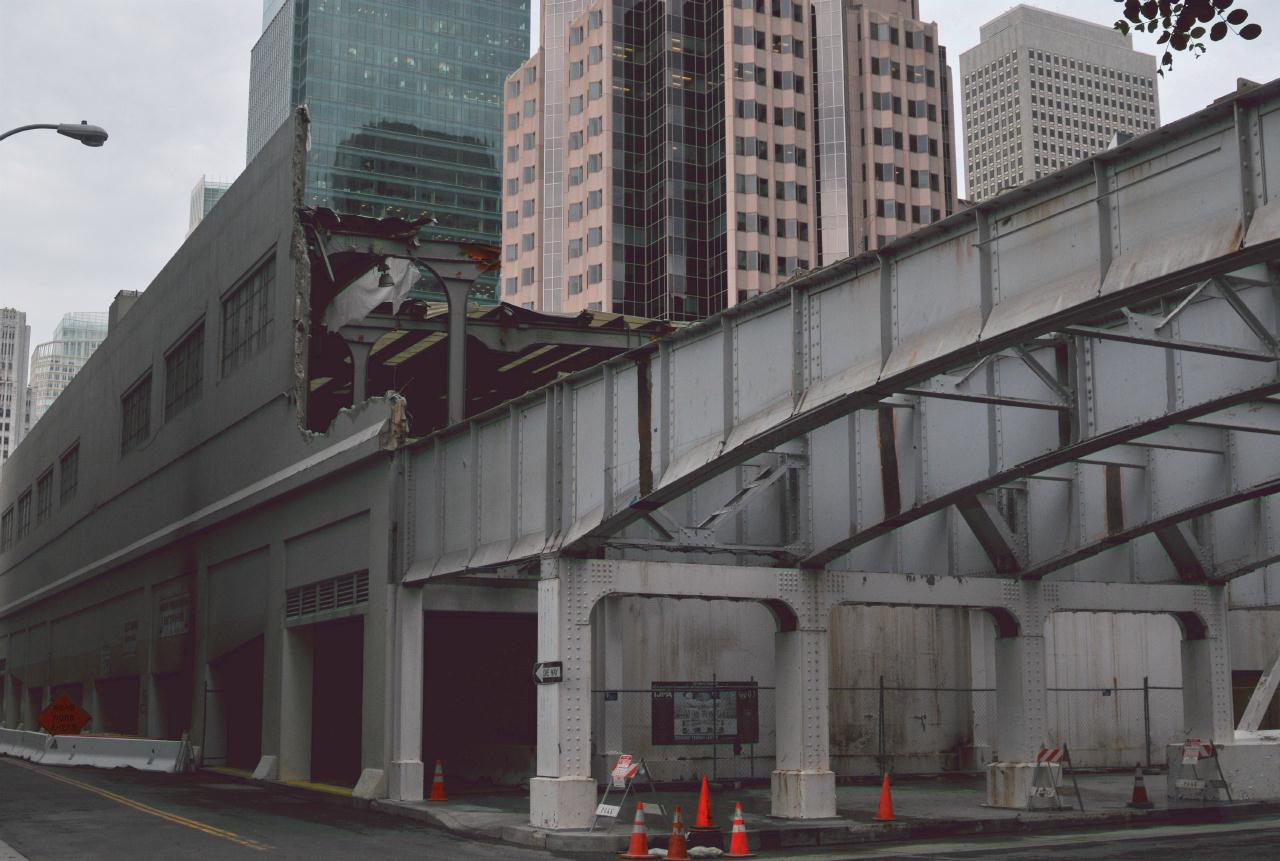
point(169, 80)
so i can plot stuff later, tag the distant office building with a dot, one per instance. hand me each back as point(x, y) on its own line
point(205, 194)
point(405, 98)
point(15, 346)
point(54, 363)
point(670, 165)
point(1043, 90)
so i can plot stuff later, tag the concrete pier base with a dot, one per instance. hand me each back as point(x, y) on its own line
point(1009, 783)
point(807, 794)
point(561, 802)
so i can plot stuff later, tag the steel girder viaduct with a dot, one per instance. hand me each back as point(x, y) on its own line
point(1064, 398)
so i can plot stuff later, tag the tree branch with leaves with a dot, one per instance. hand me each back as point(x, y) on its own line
point(1184, 23)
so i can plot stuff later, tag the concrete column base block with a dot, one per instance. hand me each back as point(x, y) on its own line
point(1009, 783)
point(558, 803)
point(404, 780)
point(807, 794)
point(268, 768)
point(1251, 769)
point(372, 784)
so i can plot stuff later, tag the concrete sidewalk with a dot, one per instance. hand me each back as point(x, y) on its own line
point(939, 807)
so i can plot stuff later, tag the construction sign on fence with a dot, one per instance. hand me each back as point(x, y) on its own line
point(706, 713)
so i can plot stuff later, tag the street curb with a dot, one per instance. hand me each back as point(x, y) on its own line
point(832, 832)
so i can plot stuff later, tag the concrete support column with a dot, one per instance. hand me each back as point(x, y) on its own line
point(92, 704)
point(803, 784)
point(406, 775)
point(360, 351)
point(12, 706)
point(295, 704)
point(273, 646)
point(563, 793)
point(456, 292)
point(1207, 710)
point(1020, 696)
point(151, 712)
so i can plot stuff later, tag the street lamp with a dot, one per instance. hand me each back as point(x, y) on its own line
point(82, 131)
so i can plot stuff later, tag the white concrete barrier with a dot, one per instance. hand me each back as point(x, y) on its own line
point(23, 745)
point(144, 754)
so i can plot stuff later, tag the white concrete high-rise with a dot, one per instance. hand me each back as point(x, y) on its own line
point(55, 362)
point(1043, 90)
point(204, 195)
point(15, 345)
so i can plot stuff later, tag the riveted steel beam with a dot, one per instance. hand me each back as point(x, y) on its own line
point(1128, 533)
point(1041, 463)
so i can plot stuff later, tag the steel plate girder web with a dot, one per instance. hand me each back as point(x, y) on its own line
point(1032, 466)
point(804, 419)
point(1164, 522)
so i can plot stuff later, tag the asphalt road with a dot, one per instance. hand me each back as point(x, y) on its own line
point(81, 813)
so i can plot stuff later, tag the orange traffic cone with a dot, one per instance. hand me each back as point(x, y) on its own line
point(885, 812)
point(437, 785)
point(1139, 800)
point(639, 847)
point(738, 846)
point(677, 849)
point(704, 822)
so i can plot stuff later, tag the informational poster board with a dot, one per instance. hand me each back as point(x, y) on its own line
point(705, 713)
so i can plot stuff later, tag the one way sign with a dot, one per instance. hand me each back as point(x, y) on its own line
point(548, 672)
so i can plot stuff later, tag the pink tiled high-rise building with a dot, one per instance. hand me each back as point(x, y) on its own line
point(672, 160)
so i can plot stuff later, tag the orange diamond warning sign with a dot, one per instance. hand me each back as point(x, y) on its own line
point(64, 717)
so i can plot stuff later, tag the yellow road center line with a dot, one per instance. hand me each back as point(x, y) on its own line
point(211, 830)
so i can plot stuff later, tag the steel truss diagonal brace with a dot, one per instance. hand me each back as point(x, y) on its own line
point(988, 526)
point(1163, 522)
point(1034, 465)
point(1186, 554)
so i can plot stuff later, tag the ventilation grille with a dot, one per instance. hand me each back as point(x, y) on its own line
point(349, 590)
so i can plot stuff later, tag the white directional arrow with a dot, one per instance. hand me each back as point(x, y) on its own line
point(548, 672)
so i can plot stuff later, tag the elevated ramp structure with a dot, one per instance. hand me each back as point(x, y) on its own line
point(1064, 398)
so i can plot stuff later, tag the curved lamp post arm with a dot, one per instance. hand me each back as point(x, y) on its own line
point(27, 129)
point(81, 131)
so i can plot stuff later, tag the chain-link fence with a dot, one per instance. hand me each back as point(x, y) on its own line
point(685, 730)
point(910, 730)
point(1115, 726)
point(726, 731)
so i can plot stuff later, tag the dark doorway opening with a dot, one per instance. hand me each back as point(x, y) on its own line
point(337, 697)
point(239, 688)
point(479, 701)
point(118, 705)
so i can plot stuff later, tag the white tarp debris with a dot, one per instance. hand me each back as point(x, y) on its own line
point(368, 292)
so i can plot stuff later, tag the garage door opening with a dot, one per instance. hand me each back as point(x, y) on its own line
point(337, 697)
point(235, 704)
point(479, 701)
point(117, 701)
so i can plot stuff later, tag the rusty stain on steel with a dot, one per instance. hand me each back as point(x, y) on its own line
point(886, 439)
point(1115, 501)
point(644, 420)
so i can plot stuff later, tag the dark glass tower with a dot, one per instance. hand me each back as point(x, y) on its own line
point(669, 187)
point(405, 98)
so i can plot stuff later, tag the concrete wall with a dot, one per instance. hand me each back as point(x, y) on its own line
point(202, 453)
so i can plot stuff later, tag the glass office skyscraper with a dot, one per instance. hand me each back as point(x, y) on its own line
point(405, 98)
